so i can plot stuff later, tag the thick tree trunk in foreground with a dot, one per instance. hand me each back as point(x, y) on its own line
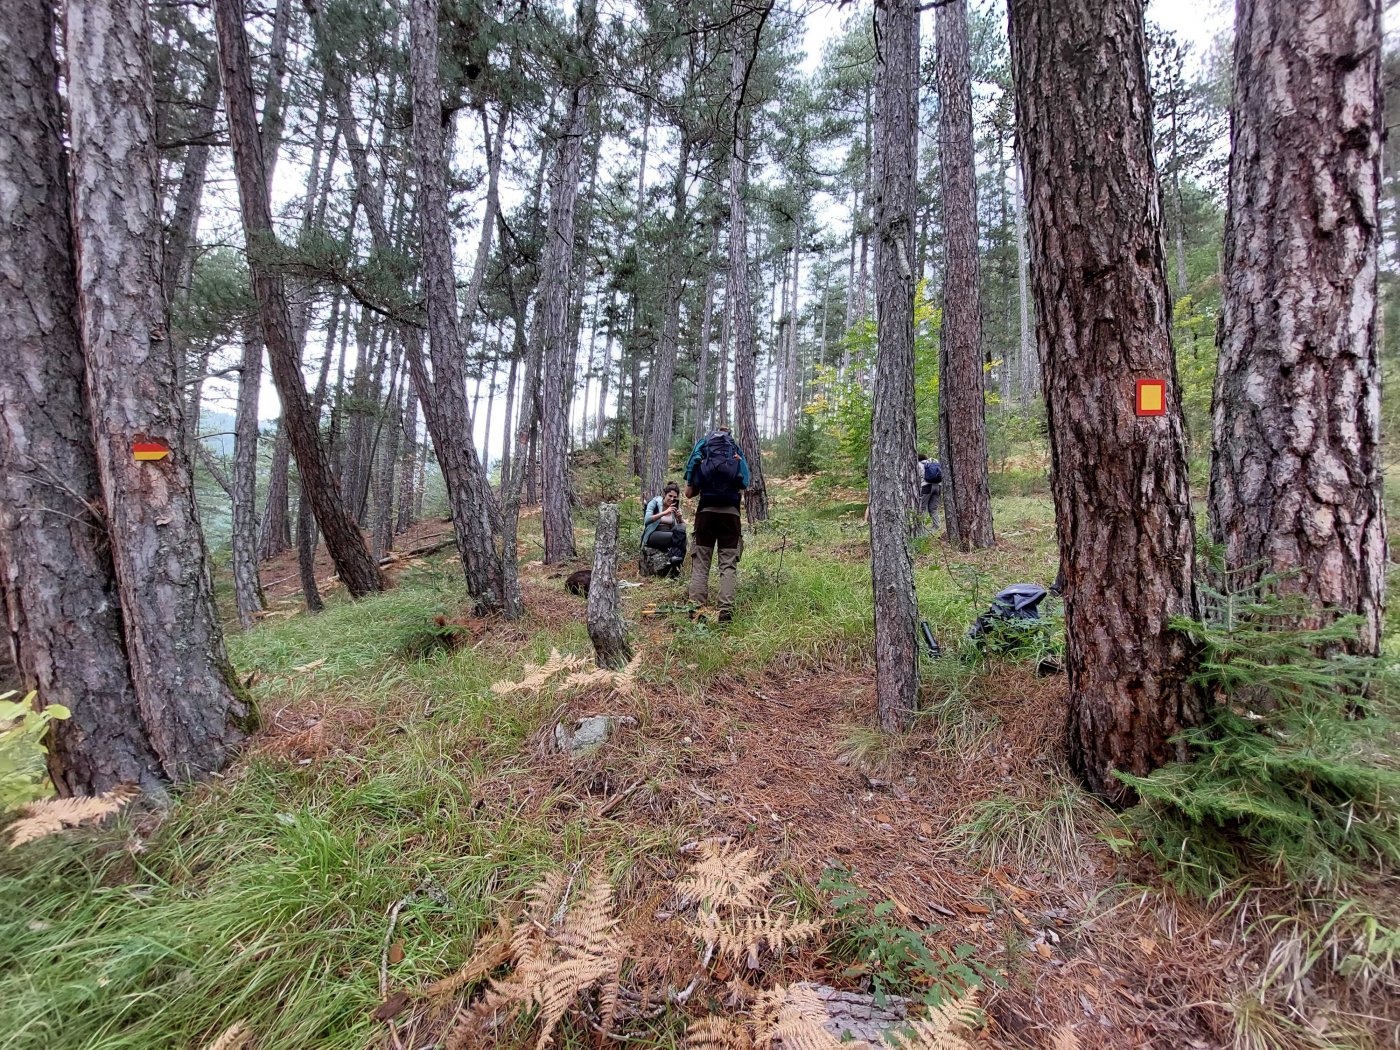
point(1295, 483)
point(63, 617)
point(555, 267)
point(475, 515)
point(184, 683)
point(344, 541)
point(605, 625)
point(1103, 321)
point(246, 587)
point(892, 455)
point(961, 403)
point(738, 303)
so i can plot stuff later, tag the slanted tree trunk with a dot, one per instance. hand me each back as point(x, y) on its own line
point(961, 402)
point(1295, 485)
point(555, 267)
point(605, 625)
point(892, 455)
point(737, 296)
point(184, 684)
point(344, 541)
point(62, 613)
point(1103, 320)
point(184, 218)
point(247, 589)
point(475, 515)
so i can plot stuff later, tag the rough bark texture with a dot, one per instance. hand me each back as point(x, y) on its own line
point(183, 680)
point(605, 624)
point(475, 516)
point(344, 542)
point(704, 406)
point(1103, 321)
point(1295, 483)
point(892, 455)
point(961, 404)
point(738, 303)
point(555, 267)
point(62, 613)
point(274, 532)
point(246, 587)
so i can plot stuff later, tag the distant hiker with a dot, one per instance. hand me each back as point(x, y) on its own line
point(930, 488)
point(663, 531)
point(718, 473)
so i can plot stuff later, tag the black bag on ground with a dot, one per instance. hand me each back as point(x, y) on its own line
point(1019, 603)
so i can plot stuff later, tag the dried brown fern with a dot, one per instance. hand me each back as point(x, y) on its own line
point(943, 1029)
point(492, 952)
point(51, 815)
point(1064, 1039)
point(725, 879)
point(717, 1033)
point(537, 676)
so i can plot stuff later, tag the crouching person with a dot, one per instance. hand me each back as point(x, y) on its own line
point(663, 533)
point(718, 473)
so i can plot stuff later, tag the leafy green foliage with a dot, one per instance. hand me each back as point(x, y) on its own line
point(895, 959)
point(1296, 772)
point(23, 774)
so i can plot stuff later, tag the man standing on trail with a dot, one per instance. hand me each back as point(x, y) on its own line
point(930, 488)
point(718, 473)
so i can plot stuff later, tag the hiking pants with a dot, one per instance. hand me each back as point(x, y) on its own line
point(725, 531)
point(930, 501)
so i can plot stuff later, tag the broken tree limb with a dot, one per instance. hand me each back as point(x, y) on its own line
point(605, 626)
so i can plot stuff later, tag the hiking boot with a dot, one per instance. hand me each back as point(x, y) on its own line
point(725, 615)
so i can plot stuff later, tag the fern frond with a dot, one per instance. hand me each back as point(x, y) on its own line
point(491, 952)
point(942, 1029)
point(725, 879)
point(717, 1033)
point(51, 815)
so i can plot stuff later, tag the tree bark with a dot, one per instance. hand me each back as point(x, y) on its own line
point(62, 613)
point(605, 624)
point(184, 219)
point(737, 295)
point(184, 684)
point(475, 514)
point(344, 541)
point(892, 455)
point(1030, 371)
point(555, 266)
point(663, 377)
point(274, 532)
point(961, 400)
point(1295, 483)
point(702, 367)
point(1103, 321)
point(247, 589)
point(410, 457)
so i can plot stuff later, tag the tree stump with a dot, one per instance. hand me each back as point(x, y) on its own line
point(605, 626)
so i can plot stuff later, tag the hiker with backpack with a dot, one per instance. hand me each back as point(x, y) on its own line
point(930, 488)
point(663, 529)
point(718, 473)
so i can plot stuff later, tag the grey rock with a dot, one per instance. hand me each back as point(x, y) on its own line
point(589, 734)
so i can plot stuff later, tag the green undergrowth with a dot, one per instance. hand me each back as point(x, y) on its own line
point(263, 897)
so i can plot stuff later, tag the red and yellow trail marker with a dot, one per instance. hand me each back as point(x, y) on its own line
point(1151, 397)
point(143, 451)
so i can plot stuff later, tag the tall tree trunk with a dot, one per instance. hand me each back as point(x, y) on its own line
point(892, 456)
point(410, 459)
point(1030, 370)
point(601, 420)
point(707, 313)
point(606, 628)
point(343, 539)
point(274, 532)
point(737, 293)
point(663, 376)
point(506, 432)
point(62, 612)
point(555, 267)
point(794, 383)
point(1295, 484)
point(247, 589)
point(961, 400)
point(184, 219)
point(1103, 321)
point(184, 684)
point(475, 515)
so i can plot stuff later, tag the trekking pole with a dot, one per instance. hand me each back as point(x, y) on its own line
point(781, 549)
point(930, 642)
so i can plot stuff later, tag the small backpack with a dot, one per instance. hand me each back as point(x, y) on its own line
point(933, 473)
point(718, 469)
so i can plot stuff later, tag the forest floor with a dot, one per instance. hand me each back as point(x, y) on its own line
point(395, 808)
